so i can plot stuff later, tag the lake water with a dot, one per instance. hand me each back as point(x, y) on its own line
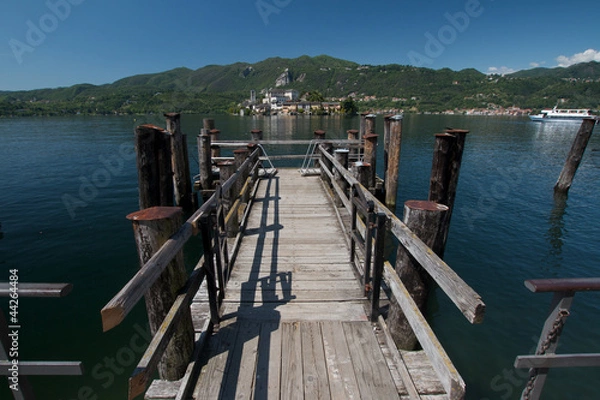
point(67, 183)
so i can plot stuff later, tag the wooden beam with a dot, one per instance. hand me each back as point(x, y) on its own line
point(563, 285)
point(37, 289)
point(558, 361)
point(43, 368)
point(447, 373)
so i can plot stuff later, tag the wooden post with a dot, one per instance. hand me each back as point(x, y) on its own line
point(387, 123)
point(319, 134)
point(341, 156)
point(370, 124)
point(257, 135)
point(155, 177)
point(152, 228)
point(393, 163)
point(204, 156)
point(182, 181)
point(208, 124)
point(214, 138)
point(575, 155)
point(447, 159)
point(363, 124)
point(328, 146)
point(240, 155)
point(370, 156)
point(422, 218)
point(363, 174)
point(353, 135)
point(227, 169)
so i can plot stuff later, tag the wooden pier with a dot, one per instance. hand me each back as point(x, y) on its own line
point(289, 302)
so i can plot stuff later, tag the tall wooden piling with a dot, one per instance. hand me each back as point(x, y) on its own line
point(341, 156)
point(387, 122)
point(182, 182)
point(214, 138)
point(155, 176)
point(208, 124)
point(393, 161)
point(423, 219)
point(205, 161)
point(227, 169)
point(370, 120)
point(447, 159)
point(575, 155)
point(362, 172)
point(257, 135)
point(152, 227)
point(363, 124)
point(370, 156)
point(353, 135)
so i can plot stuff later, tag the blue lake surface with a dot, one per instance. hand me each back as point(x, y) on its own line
point(66, 185)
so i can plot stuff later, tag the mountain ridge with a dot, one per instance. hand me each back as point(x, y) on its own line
point(215, 88)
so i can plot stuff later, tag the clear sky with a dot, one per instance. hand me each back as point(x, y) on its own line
point(51, 43)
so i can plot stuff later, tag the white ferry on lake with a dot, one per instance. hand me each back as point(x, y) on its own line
point(557, 114)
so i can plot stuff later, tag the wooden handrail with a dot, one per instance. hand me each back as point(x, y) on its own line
point(115, 311)
point(563, 285)
point(461, 294)
point(37, 289)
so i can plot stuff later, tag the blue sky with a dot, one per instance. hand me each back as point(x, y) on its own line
point(51, 43)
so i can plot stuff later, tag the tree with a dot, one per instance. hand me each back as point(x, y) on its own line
point(315, 96)
point(349, 106)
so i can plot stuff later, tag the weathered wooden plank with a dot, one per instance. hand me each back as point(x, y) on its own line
point(298, 311)
point(342, 381)
point(217, 354)
point(320, 274)
point(242, 362)
point(162, 390)
point(292, 385)
point(43, 368)
point(289, 283)
point(558, 361)
point(447, 373)
point(268, 364)
point(280, 295)
point(37, 289)
point(316, 383)
point(373, 376)
point(563, 285)
point(422, 373)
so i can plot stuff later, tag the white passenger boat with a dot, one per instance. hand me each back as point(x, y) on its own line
point(564, 114)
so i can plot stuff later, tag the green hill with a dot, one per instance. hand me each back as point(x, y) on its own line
point(215, 88)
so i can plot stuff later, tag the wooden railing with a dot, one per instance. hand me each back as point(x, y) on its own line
point(210, 220)
point(10, 365)
point(545, 358)
point(379, 220)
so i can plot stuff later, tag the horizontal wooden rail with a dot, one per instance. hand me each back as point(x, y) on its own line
point(558, 361)
point(449, 376)
point(115, 311)
point(563, 285)
point(37, 289)
point(461, 294)
point(145, 369)
point(43, 368)
point(238, 143)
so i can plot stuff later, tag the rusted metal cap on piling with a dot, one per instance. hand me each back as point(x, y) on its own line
point(173, 115)
point(369, 136)
point(456, 131)
point(319, 133)
point(240, 151)
point(154, 213)
point(255, 131)
point(226, 163)
point(214, 131)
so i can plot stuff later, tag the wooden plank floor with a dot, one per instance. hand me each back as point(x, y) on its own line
point(294, 323)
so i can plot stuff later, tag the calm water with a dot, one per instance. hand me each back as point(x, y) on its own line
point(67, 184)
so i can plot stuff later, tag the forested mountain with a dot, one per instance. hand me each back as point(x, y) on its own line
point(215, 88)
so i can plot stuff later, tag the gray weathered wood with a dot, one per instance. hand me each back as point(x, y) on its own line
point(182, 182)
point(563, 285)
point(423, 218)
point(316, 383)
point(152, 228)
point(558, 361)
point(575, 155)
point(292, 385)
point(393, 161)
point(205, 163)
point(342, 379)
point(37, 289)
point(370, 157)
point(447, 373)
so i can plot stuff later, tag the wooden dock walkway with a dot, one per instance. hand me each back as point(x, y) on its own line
point(294, 319)
point(289, 299)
